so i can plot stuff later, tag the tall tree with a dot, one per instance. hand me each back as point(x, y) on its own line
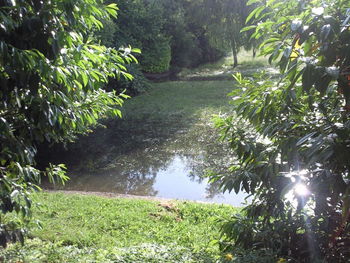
point(52, 73)
point(224, 20)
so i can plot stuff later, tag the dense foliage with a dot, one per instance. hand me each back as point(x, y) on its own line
point(140, 23)
point(52, 73)
point(174, 34)
point(191, 41)
point(291, 136)
point(138, 84)
point(210, 26)
point(223, 20)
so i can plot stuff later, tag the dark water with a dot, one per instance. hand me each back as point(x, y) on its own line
point(167, 159)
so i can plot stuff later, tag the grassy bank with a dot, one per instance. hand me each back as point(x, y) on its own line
point(77, 228)
point(187, 99)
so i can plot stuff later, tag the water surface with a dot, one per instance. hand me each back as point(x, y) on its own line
point(166, 157)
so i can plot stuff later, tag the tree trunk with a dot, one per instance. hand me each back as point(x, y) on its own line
point(234, 52)
point(235, 59)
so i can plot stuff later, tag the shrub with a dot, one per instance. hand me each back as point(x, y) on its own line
point(132, 87)
point(156, 58)
point(52, 74)
point(291, 136)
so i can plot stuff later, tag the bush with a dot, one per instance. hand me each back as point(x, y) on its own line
point(156, 58)
point(184, 50)
point(291, 136)
point(52, 75)
point(132, 87)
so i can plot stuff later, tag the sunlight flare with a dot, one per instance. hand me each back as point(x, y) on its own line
point(300, 189)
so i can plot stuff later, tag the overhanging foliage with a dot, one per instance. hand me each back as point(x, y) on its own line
point(52, 73)
point(293, 152)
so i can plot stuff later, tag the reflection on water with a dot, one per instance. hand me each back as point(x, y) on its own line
point(178, 181)
point(150, 158)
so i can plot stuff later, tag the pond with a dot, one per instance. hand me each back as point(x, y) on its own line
point(166, 157)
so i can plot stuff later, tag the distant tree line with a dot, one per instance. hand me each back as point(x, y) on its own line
point(178, 33)
point(175, 34)
point(169, 33)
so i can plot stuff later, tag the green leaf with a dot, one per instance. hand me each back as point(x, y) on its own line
point(253, 13)
point(14, 194)
point(247, 28)
point(305, 138)
point(250, 2)
point(85, 79)
point(325, 31)
point(308, 78)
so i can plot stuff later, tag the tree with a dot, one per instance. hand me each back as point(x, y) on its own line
point(52, 73)
point(140, 23)
point(224, 21)
point(185, 51)
point(171, 34)
point(191, 43)
point(233, 15)
point(291, 137)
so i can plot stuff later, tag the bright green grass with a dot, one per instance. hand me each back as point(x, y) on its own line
point(189, 99)
point(223, 68)
point(80, 228)
point(246, 58)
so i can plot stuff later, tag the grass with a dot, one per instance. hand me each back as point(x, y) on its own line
point(82, 228)
point(186, 98)
point(223, 69)
point(246, 59)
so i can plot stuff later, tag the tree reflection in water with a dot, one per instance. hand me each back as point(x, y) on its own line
point(129, 156)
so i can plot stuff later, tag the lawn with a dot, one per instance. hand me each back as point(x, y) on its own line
point(223, 68)
point(87, 228)
point(190, 99)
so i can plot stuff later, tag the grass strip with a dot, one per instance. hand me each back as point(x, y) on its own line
point(87, 228)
